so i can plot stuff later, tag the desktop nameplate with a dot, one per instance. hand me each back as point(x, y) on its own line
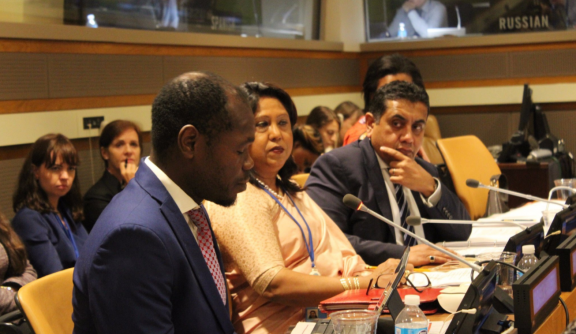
point(567, 254)
point(536, 295)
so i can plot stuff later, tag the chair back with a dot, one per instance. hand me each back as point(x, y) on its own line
point(468, 158)
point(300, 179)
point(431, 135)
point(47, 303)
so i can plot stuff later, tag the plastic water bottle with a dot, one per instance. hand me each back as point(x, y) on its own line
point(528, 259)
point(402, 30)
point(411, 319)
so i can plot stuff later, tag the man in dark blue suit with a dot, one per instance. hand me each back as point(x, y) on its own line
point(151, 263)
point(384, 172)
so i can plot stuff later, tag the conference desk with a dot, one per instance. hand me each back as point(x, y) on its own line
point(554, 324)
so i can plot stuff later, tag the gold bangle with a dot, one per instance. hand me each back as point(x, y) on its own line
point(357, 282)
point(344, 284)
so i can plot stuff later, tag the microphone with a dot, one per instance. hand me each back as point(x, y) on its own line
point(355, 203)
point(476, 184)
point(415, 221)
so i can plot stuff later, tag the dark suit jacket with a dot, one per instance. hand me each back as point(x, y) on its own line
point(142, 271)
point(97, 198)
point(49, 249)
point(354, 169)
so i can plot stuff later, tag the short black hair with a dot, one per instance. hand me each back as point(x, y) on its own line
point(386, 65)
point(397, 90)
point(197, 98)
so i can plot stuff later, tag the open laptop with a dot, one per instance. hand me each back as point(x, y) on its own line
point(325, 326)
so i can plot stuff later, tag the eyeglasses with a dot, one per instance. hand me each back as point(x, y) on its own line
point(384, 281)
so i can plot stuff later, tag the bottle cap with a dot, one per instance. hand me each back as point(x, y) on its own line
point(412, 300)
point(528, 249)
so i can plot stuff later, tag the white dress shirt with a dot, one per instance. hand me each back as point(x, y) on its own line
point(184, 202)
point(430, 201)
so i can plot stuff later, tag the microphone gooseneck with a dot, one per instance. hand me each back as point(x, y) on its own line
point(476, 184)
point(355, 203)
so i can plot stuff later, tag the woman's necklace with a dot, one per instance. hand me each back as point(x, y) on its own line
point(268, 188)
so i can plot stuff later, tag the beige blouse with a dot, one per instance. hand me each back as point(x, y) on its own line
point(257, 239)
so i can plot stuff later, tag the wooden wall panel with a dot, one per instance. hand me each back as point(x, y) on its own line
point(23, 76)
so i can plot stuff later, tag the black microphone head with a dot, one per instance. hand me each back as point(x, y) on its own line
point(413, 220)
point(472, 183)
point(352, 201)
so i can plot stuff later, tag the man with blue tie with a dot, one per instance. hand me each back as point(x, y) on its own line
point(151, 263)
point(384, 172)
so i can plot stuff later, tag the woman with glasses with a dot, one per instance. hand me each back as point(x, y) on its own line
point(281, 252)
point(48, 205)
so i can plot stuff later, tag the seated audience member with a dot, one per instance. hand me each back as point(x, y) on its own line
point(280, 250)
point(307, 147)
point(384, 172)
point(120, 148)
point(326, 122)
point(418, 16)
point(15, 270)
point(348, 113)
point(48, 205)
point(382, 71)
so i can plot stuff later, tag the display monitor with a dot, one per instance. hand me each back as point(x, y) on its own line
point(536, 295)
point(479, 296)
point(567, 253)
point(533, 235)
point(563, 225)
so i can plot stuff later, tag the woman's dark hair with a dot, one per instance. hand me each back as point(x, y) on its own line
point(14, 249)
point(320, 116)
point(309, 138)
point(30, 194)
point(347, 109)
point(113, 130)
point(386, 65)
point(256, 90)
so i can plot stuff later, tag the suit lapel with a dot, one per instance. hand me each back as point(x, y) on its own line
point(178, 224)
point(376, 180)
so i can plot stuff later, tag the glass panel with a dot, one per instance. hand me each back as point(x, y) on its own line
point(295, 19)
point(401, 19)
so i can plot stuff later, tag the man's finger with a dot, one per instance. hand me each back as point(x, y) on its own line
point(396, 155)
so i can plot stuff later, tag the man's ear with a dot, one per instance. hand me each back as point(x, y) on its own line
point(370, 122)
point(187, 140)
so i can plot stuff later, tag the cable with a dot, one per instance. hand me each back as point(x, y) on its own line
point(565, 310)
point(500, 262)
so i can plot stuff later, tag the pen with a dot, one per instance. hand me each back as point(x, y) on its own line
point(369, 286)
point(519, 220)
point(370, 267)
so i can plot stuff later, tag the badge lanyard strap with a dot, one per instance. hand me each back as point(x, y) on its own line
point(69, 234)
point(310, 244)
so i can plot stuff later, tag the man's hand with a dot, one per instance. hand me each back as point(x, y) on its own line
point(408, 6)
point(128, 170)
point(408, 173)
point(420, 255)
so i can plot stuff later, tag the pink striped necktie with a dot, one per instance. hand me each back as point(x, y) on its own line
point(206, 244)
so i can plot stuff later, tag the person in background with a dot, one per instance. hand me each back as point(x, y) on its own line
point(418, 16)
point(327, 123)
point(384, 172)
point(382, 71)
point(281, 252)
point(349, 113)
point(15, 269)
point(120, 148)
point(48, 205)
point(307, 147)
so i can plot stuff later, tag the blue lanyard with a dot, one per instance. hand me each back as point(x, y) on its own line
point(310, 244)
point(69, 234)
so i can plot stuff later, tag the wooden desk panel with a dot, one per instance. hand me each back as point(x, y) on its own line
point(527, 179)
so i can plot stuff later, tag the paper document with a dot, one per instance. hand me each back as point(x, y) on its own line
point(437, 327)
point(303, 328)
point(446, 278)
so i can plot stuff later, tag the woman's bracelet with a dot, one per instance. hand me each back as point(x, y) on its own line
point(350, 283)
point(344, 284)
